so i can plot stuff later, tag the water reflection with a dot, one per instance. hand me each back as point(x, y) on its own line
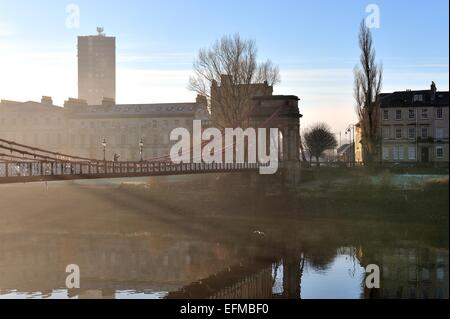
point(155, 250)
point(120, 266)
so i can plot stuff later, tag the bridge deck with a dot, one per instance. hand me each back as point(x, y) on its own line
point(25, 172)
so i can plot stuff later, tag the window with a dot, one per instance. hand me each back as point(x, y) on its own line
point(385, 115)
point(395, 153)
point(411, 114)
point(398, 114)
point(398, 133)
point(439, 113)
point(424, 114)
point(386, 132)
point(439, 133)
point(412, 133)
point(411, 152)
point(424, 132)
point(439, 152)
point(385, 153)
point(418, 97)
point(401, 152)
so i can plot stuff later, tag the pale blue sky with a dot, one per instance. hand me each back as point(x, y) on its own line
point(314, 43)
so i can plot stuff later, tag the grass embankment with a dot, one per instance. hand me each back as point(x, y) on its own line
point(381, 196)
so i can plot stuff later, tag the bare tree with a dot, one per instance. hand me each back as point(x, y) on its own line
point(318, 139)
point(224, 74)
point(368, 84)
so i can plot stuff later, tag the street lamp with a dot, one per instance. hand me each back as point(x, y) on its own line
point(141, 146)
point(351, 130)
point(104, 144)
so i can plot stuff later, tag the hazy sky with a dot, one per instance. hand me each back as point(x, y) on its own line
point(314, 43)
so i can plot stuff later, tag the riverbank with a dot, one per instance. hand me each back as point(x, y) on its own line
point(224, 197)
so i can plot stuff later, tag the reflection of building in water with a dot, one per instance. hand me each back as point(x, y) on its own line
point(406, 272)
point(257, 278)
point(243, 281)
point(108, 263)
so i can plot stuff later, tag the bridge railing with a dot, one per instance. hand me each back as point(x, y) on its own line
point(111, 169)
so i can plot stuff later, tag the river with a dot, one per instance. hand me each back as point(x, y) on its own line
point(133, 242)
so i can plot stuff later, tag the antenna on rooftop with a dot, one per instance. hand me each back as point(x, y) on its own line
point(100, 31)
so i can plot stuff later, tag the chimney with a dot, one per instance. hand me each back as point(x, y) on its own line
point(47, 100)
point(433, 91)
point(72, 103)
point(225, 80)
point(107, 101)
point(202, 102)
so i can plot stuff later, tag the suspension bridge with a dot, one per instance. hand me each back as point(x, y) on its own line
point(20, 163)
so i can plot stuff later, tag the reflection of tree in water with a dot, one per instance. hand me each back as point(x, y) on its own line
point(321, 258)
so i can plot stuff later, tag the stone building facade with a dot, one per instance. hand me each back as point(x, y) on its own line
point(414, 127)
point(79, 129)
point(226, 94)
point(42, 125)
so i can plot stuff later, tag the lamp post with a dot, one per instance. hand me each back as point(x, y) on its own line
point(351, 130)
point(104, 144)
point(141, 146)
point(340, 144)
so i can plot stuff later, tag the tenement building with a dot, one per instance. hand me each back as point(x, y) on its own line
point(414, 127)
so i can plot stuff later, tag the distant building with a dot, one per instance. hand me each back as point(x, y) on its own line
point(414, 127)
point(96, 68)
point(79, 129)
point(124, 125)
point(41, 125)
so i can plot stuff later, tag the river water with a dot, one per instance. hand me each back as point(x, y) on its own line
point(131, 245)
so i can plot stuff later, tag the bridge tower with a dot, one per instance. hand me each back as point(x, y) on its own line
point(282, 112)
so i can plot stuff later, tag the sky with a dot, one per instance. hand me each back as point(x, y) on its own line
point(313, 42)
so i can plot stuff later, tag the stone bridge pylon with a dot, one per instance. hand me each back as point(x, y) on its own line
point(286, 117)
